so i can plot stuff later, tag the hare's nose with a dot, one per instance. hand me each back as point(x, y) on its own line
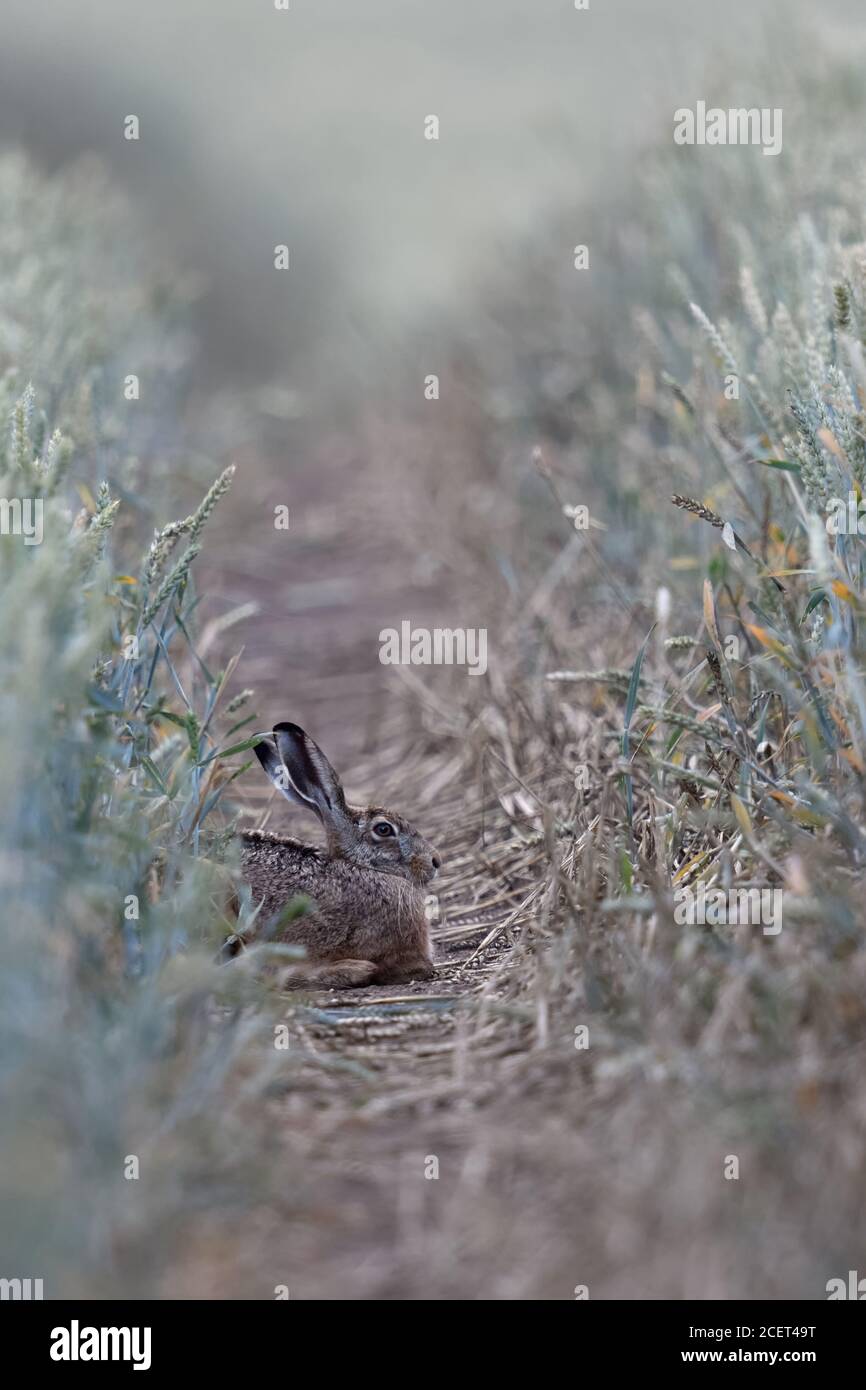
point(436, 861)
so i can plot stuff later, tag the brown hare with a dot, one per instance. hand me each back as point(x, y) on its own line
point(367, 923)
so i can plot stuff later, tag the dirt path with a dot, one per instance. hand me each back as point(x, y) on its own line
point(349, 565)
point(374, 1058)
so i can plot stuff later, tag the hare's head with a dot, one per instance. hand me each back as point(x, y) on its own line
point(370, 836)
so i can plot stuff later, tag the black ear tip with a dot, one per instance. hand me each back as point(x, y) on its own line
point(294, 730)
point(265, 750)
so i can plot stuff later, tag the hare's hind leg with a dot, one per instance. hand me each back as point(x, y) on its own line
point(336, 974)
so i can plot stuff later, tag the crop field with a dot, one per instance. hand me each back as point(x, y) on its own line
point(538, 498)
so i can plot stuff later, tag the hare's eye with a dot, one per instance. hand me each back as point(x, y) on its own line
point(383, 829)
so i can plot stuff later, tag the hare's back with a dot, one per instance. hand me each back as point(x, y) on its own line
point(277, 868)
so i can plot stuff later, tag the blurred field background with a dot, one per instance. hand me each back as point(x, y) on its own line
point(559, 1167)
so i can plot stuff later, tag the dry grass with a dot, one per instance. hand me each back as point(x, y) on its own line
point(561, 1166)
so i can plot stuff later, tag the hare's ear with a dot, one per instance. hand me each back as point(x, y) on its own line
point(310, 773)
point(267, 754)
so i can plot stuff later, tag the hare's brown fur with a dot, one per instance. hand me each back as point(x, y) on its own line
point(366, 922)
point(368, 926)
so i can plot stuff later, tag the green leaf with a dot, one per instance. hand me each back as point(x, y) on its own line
point(166, 714)
point(153, 772)
point(819, 596)
point(235, 748)
point(626, 871)
point(783, 464)
point(717, 569)
point(296, 907)
point(240, 724)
